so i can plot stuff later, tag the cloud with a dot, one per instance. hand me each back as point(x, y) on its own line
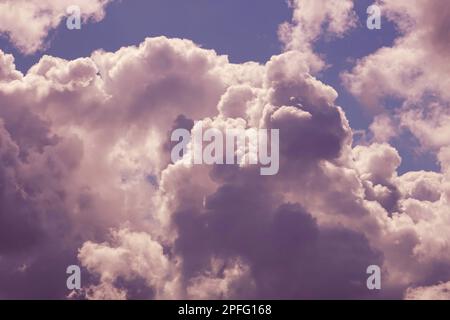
point(68, 173)
point(313, 19)
point(86, 179)
point(207, 230)
point(415, 64)
point(383, 128)
point(437, 292)
point(132, 255)
point(411, 74)
point(27, 23)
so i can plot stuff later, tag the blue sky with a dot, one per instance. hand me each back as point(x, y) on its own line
point(243, 30)
point(230, 27)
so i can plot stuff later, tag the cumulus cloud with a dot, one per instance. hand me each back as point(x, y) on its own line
point(27, 23)
point(131, 255)
point(417, 62)
point(383, 129)
point(313, 19)
point(86, 178)
point(437, 292)
point(413, 73)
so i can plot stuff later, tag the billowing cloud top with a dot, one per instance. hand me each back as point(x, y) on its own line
point(86, 176)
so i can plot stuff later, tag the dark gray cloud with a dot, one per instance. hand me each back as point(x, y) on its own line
point(290, 256)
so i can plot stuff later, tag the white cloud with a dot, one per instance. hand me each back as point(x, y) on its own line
point(313, 19)
point(411, 74)
point(80, 140)
point(436, 292)
point(27, 23)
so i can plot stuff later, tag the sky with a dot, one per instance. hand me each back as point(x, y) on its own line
point(233, 28)
point(87, 180)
